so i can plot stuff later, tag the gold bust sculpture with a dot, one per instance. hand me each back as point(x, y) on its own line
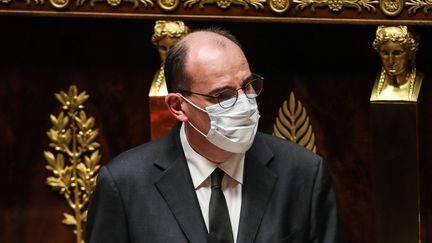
point(399, 80)
point(166, 34)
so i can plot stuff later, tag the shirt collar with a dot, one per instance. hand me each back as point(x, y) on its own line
point(200, 168)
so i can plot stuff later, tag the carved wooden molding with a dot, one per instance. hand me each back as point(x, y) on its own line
point(386, 12)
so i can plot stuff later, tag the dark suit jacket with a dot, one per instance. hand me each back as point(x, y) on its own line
point(146, 195)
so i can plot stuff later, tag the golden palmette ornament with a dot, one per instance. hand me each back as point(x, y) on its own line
point(74, 157)
point(293, 124)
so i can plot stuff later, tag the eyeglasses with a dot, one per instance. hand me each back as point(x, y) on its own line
point(228, 97)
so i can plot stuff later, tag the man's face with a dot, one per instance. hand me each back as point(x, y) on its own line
point(213, 68)
point(394, 58)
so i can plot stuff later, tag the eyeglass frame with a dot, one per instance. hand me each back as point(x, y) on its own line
point(254, 77)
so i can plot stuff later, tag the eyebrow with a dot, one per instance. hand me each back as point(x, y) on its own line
point(248, 79)
point(216, 91)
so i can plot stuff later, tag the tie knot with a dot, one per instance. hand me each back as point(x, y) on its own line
point(216, 178)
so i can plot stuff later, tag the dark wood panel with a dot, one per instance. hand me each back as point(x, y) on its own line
point(331, 69)
point(112, 61)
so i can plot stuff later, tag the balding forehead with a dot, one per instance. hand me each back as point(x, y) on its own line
point(204, 45)
point(206, 38)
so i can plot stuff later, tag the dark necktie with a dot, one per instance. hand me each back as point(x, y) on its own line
point(219, 221)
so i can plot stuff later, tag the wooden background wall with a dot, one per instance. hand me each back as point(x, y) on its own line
point(331, 69)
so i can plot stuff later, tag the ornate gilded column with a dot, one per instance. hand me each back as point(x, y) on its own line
point(395, 102)
point(166, 34)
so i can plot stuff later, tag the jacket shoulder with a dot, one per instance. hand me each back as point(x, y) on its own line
point(288, 153)
point(141, 160)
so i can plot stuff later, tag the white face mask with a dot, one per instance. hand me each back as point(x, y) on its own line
point(232, 129)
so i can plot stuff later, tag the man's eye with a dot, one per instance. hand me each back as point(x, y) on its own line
point(247, 86)
point(226, 94)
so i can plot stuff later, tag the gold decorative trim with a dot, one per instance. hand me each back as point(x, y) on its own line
point(336, 5)
point(60, 4)
point(418, 4)
point(391, 7)
point(168, 5)
point(73, 142)
point(40, 2)
point(116, 3)
point(279, 6)
point(292, 123)
point(257, 4)
point(388, 7)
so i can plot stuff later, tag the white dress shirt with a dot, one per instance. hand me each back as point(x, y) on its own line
point(200, 169)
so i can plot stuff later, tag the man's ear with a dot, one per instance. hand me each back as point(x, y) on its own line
point(174, 104)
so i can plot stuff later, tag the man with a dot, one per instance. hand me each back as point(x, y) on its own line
point(167, 190)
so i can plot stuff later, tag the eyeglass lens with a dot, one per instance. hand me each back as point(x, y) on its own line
point(252, 89)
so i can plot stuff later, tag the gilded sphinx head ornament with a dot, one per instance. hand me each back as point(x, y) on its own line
point(399, 34)
point(166, 34)
point(171, 29)
point(399, 79)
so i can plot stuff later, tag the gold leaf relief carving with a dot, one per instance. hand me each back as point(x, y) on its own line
point(279, 6)
point(37, 2)
point(59, 4)
point(168, 5)
point(257, 4)
point(292, 123)
point(336, 5)
point(391, 7)
point(74, 159)
point(415, 5)
point(116, 3)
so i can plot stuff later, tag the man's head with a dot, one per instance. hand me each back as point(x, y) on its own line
point(175, 71)
point(205, 62)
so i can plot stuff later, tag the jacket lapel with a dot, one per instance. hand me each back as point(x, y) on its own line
point(176, 187)
point(257, 189)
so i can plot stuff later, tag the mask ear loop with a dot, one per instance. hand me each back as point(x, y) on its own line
point(199, 108)
point(192, 104)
